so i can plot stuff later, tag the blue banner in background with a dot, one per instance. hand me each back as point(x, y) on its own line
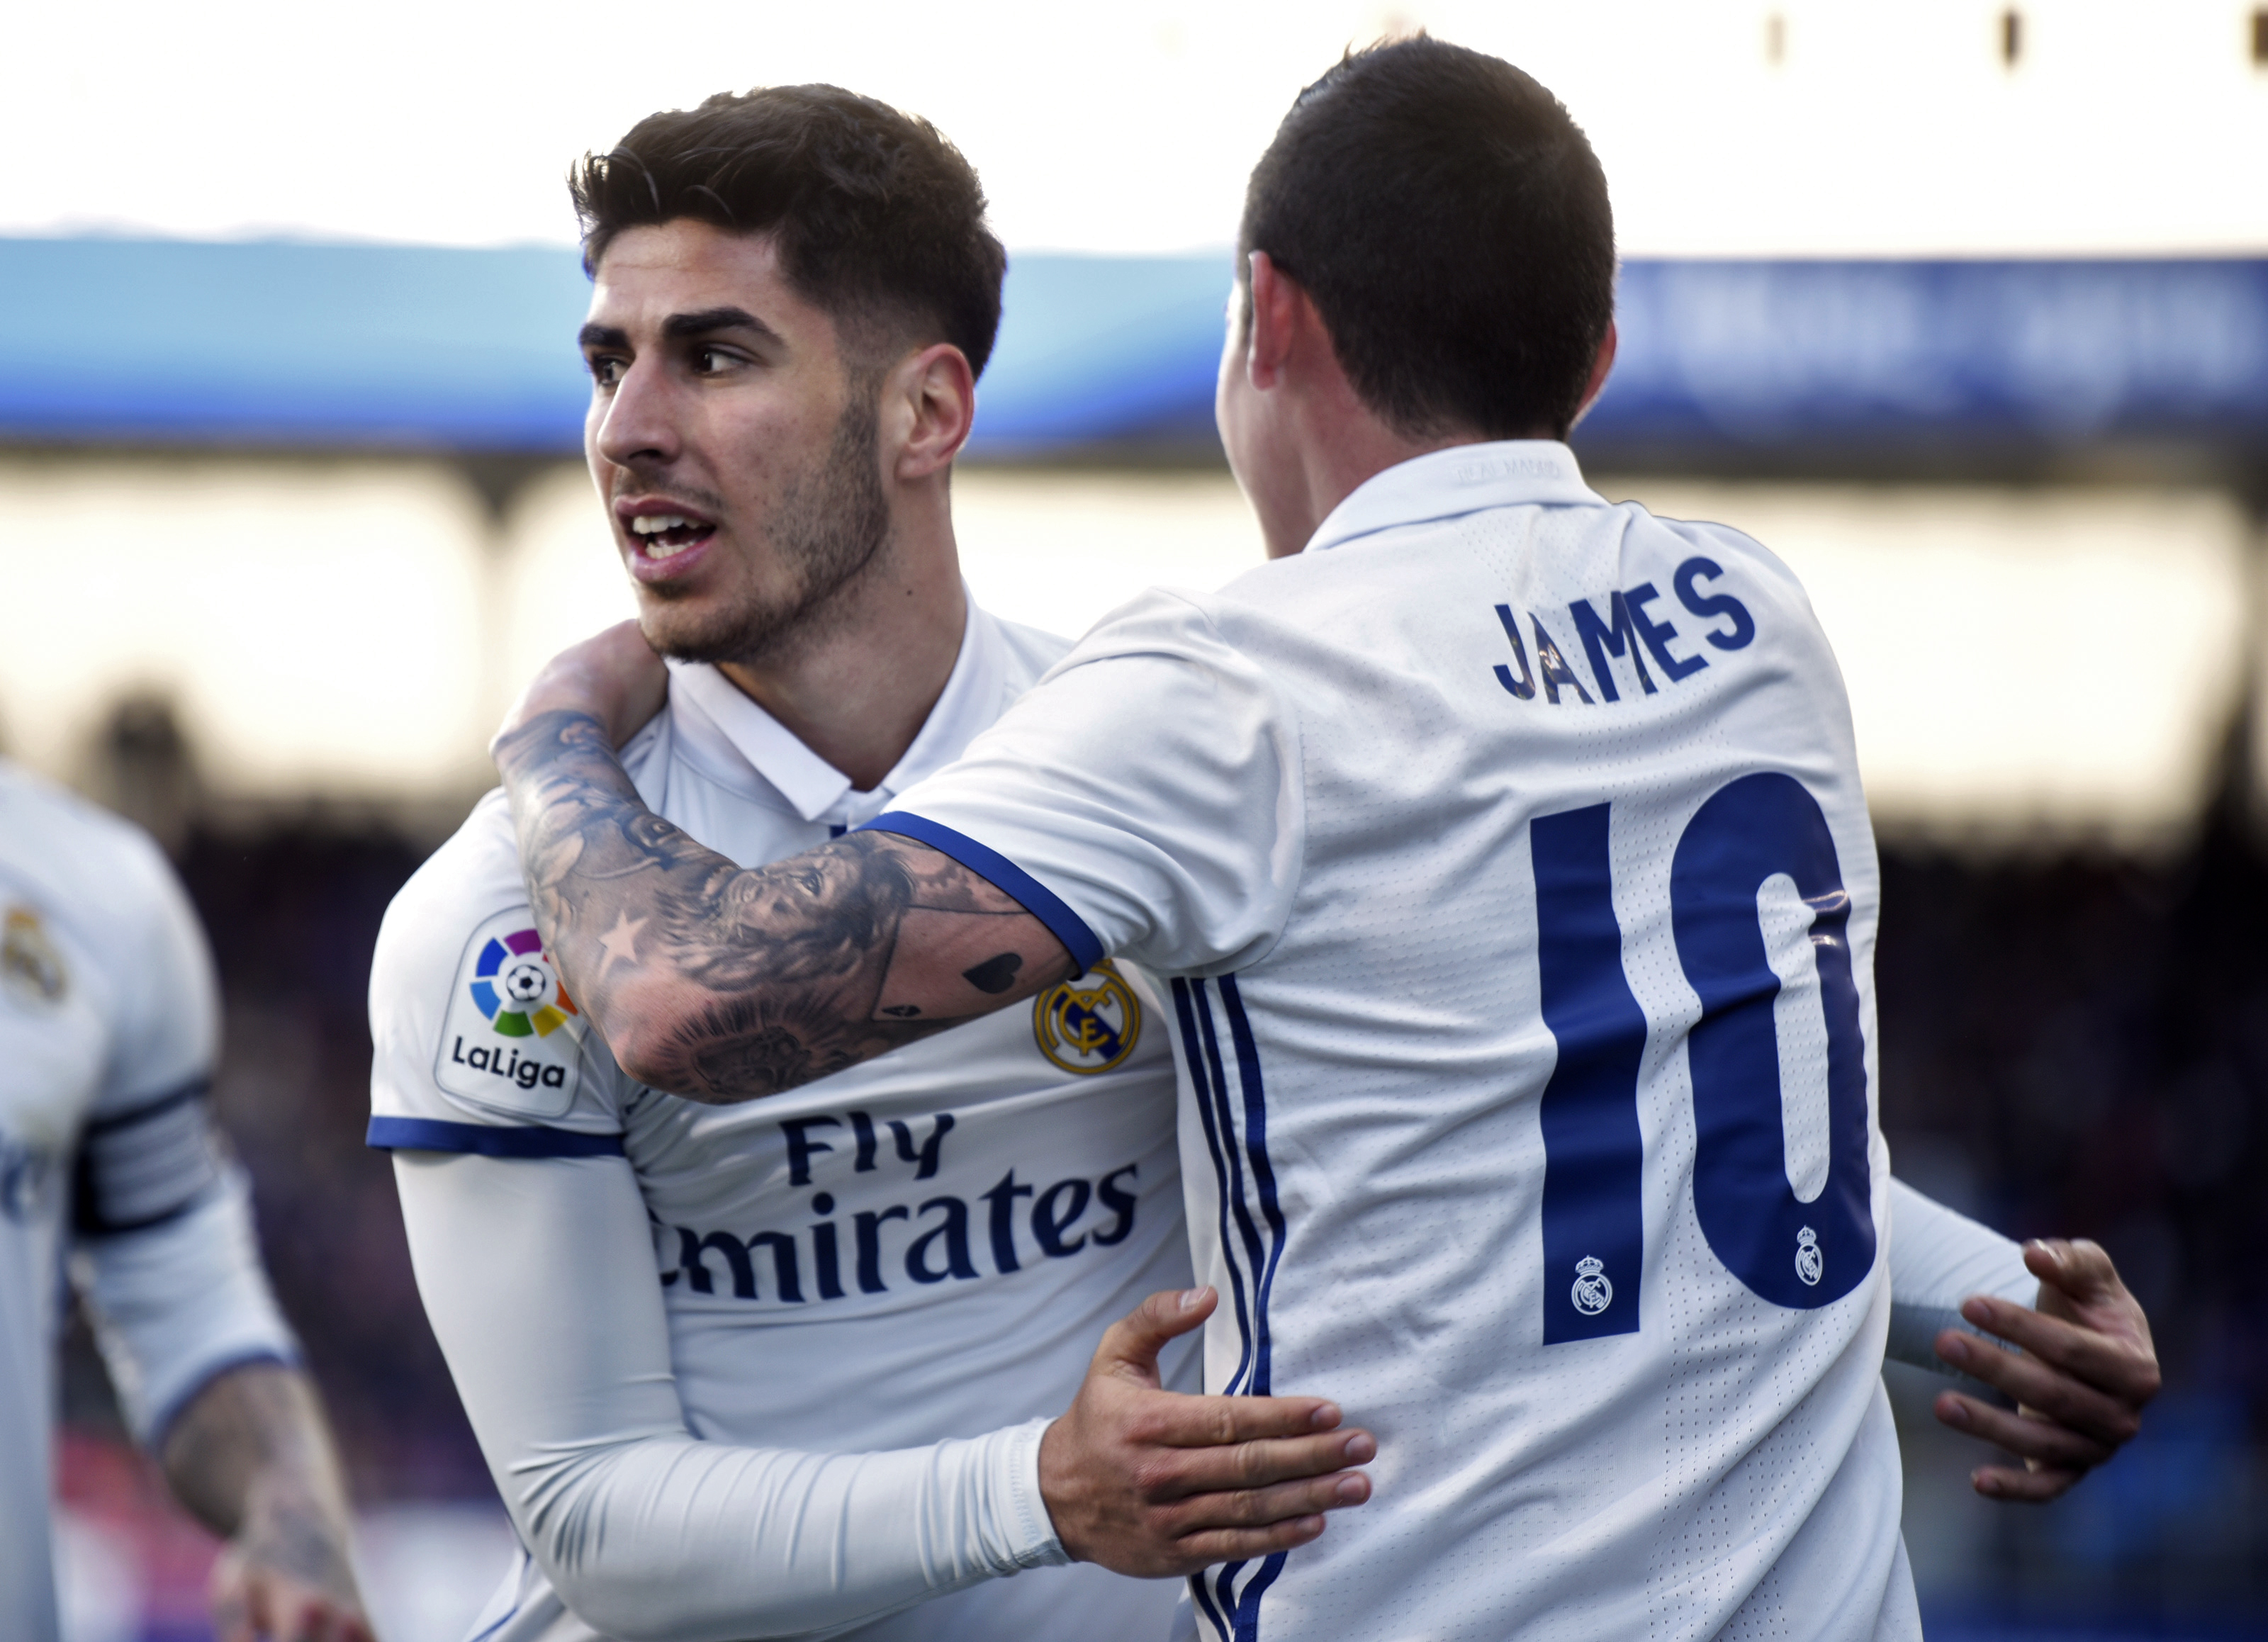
point(284, 344)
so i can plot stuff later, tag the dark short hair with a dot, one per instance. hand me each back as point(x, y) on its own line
point(1451, 223)
point(880, 220)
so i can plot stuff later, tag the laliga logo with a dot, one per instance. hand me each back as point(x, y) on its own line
point(1087, 1028)
point(513, 985)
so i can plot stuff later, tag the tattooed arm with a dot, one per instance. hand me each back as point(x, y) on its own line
point(250, 1459)
point(720, 982)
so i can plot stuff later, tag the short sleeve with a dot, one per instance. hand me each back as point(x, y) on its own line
point(1143, 799)
point(476, 1046)
point(165, 1034)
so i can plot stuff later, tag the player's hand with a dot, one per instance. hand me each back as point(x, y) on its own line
point(1152, 1483)
point(2086, 1369)
point(615, 677)
point(286, 1580)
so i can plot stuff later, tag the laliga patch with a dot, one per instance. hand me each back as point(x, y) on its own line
point(511, 1040)
point(31, 968)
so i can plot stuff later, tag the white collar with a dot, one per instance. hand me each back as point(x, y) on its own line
point(1462, 479)
point(732, 730)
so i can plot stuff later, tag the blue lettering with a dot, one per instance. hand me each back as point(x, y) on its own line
point(825, 1264)
point(1744, 626)
point(1610, 637)
point(1553, 665)
point(1120, 1203)
point(865, 1227)
point(1047, 1227)
point(785, 1268)
point(1658, 635)
point(939, 1127)
point(691, 1248)
point(863, 1126)
point(801, 1148)
point(955, 1234)
point(1003, 1199)
point(1522, 688)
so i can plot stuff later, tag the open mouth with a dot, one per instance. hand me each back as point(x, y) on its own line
point(664, 535)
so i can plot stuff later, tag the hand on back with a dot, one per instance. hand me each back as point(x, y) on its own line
point(614, 676)
point(1153, 1483)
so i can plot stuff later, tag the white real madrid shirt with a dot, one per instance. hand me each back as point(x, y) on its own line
point(1507, 854)
point(905, 1265)
point(108, 1028)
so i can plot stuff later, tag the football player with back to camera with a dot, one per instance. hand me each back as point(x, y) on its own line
point(826, 1405)
point(1503, 849)
point(109, 1166)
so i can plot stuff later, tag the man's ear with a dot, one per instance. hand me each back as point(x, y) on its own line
point(1601, 364)
point(932, 396)
point(1273, 301)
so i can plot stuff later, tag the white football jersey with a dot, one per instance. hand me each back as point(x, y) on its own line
point(1507, 854)
point(109, 1022)
point(925, 1247)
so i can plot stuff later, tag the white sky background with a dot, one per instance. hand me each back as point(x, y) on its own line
point(1882, 129)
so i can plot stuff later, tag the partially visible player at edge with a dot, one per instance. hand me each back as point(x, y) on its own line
point(109, 1165)
point(1504, 849)
point(872, 1296)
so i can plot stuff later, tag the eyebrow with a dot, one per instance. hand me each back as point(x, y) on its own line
point(680, 326)
point(708, 320)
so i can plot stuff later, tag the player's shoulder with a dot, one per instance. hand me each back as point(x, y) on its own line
point(473, 875)
point(469, 1022)
point(98, 876)
point(1026, 652)
point(1729, 549)
point(97, 861)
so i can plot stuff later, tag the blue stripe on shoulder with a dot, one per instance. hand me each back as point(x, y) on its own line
point(429, 1134)
point(1003, 874)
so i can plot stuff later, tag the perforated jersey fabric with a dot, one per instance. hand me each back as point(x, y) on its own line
point(1505, 860)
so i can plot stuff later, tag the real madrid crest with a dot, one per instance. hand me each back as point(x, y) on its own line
point(1810, 1264)
point(30, 965)
point(1088, 1025)
point(1593, 1293)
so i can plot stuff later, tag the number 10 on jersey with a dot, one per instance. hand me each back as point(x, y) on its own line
point(1793, 1253)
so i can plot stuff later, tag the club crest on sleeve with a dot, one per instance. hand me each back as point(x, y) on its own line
point(1088, 1025)
point(511, 1036)
point(30, 967)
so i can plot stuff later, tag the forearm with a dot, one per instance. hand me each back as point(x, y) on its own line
point(669, 1539)
point(251, 1458)
point(1939, 1258)
point(721, 984)
point(538, 1276)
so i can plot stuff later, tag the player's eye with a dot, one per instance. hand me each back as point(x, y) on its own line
point(713, 361)
point(606, 371)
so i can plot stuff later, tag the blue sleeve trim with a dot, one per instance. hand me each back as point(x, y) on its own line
point(427, 1134)
point(1003, 874)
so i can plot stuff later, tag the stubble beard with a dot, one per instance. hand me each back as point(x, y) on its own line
point(831, 527)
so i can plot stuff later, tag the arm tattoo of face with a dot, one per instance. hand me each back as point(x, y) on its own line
point(722, 983)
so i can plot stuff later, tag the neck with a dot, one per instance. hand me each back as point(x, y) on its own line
point(1336, 445)
point(860, 688)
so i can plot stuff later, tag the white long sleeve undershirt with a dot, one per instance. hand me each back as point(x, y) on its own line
point(1938, 1259)
point(538, 1276)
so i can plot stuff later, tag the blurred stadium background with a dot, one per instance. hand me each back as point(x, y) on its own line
point(1962, 307)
